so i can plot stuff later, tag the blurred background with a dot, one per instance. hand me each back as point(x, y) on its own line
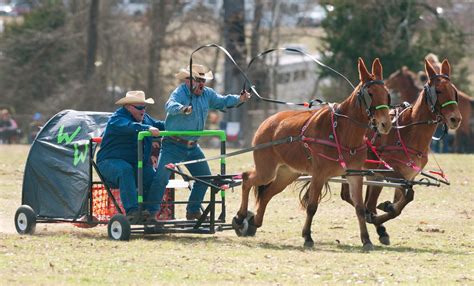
point(85, 54)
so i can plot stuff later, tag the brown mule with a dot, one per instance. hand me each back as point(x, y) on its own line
point(437, 100)
point(328, 144)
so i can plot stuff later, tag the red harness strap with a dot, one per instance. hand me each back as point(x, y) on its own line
point(391, 148)
point(335, 144)
point(374, 151)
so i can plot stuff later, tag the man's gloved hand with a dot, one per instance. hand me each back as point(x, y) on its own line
point(187, 109)
point(244, 96)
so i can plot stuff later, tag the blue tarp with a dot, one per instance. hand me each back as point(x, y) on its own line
point(56, 178)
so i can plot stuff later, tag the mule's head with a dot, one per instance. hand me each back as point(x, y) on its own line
point(397, 80)
point(373, 96)
point(441, 95)
point(404, 84)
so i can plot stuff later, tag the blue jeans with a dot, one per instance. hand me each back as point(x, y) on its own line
point(119, 173)
point(173, 152)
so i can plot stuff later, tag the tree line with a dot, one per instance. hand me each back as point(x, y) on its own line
point(85, 55)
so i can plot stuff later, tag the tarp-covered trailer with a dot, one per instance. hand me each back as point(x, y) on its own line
point(59, 185)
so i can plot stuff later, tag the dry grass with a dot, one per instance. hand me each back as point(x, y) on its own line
point(432, 242)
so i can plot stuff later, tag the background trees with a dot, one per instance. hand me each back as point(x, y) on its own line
point(86, 54)
point(399, 32)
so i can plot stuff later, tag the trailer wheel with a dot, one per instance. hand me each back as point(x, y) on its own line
point(118, 228)
point(25, 220)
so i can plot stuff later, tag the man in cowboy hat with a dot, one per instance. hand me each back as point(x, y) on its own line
point(117, 157)
point(187, 109)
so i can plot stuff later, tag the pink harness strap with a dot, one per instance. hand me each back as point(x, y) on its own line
point(392, 148)
point(374, 151)
point(410, 163)
point(335, 144)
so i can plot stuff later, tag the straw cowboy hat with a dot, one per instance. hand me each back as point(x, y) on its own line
point(199, 71)
point(135, 97)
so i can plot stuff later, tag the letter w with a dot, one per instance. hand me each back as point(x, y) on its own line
point(65, 136)
point(80, 156)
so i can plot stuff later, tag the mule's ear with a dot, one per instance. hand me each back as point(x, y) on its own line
point(429, 69)
point(377, 69)
point(446, 68)
point(364, 75)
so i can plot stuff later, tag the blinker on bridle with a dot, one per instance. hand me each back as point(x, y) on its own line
point(364, 96)
point(432, 96)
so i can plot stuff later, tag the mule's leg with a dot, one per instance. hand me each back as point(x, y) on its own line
point(260, 175)
point(312, 201)
point(398, 206)
point(257, 177)
point(248, 180)
point(371, 197)
point(355, 183)
point(346, 193)
point(283, 178)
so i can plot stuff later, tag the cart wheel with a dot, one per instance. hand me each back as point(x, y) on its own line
point(118, 228)
point(25, 220)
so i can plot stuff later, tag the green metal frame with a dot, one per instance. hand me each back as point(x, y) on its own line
point(218, 133)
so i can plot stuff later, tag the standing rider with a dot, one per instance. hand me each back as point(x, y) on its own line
point(187, 111)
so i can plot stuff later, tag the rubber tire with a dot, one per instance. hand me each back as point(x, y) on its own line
point(118, 228)
point(25, 220)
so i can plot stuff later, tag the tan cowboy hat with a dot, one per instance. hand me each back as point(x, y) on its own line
point(432, 58)
point(135, 97)
point(199, 71)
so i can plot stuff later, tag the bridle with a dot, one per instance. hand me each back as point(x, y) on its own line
point(365, 97)
point(431, 96)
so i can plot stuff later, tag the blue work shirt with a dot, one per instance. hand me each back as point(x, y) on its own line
point(120, 137)
point(176, 120)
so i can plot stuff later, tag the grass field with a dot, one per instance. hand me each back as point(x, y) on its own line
point(432, 242)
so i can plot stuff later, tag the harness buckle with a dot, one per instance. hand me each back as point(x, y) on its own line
point(334, 124)
point(352, 152)
point(419, 155)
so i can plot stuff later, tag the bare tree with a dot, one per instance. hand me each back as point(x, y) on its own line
point(92, 39)
point(160, 18)
point(234, 37)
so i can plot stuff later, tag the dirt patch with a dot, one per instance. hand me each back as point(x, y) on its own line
point(6, 224)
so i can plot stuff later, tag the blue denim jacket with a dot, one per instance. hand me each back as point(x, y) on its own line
point(120, 137)
point(176, 120)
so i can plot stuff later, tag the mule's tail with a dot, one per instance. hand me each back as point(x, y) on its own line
point(304, 193)
point(258, 191)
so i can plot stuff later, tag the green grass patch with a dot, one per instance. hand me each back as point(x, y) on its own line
point(432, 242)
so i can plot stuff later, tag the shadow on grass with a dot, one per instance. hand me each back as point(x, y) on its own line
point(250, 242)
point(333, 247)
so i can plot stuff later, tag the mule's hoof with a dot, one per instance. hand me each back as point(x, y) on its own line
point(245, 228)
point(252, 228)
point(368, 247)
point(308, 244)
point(240, 228)
point(386, 206)
point(385, 240)
point(370, 217)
